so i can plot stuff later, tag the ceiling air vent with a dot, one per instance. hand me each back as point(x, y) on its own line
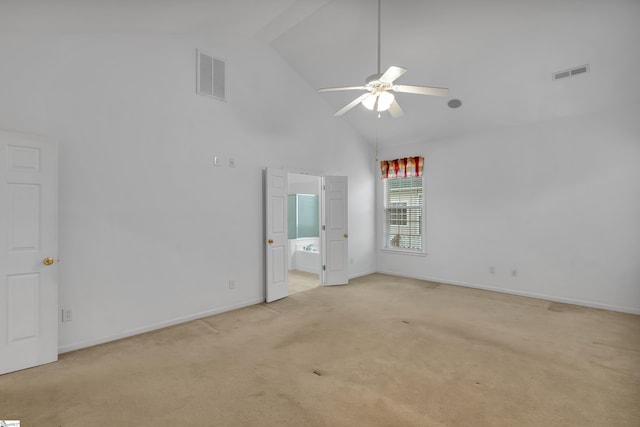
point(210, 76)
point(571, 72)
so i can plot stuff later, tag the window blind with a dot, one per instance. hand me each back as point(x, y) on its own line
point(403, 213)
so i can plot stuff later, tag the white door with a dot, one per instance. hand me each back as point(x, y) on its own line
point(276, 243)
point(335, 220)
point(28, 251)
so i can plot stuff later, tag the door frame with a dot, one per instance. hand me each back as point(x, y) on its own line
point(319, 176)
point(321, 206)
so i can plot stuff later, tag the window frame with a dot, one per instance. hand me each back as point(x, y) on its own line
point(385, 246)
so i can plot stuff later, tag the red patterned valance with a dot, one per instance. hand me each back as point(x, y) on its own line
point(402, 168)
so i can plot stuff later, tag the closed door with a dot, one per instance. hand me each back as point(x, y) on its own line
point(28, 249)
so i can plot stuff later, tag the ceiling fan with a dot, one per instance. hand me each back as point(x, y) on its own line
point(379, 89)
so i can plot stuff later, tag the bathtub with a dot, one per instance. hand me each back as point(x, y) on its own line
point(308, 260)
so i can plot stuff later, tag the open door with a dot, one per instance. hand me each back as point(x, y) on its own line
point(276, 243)
point(335, 234)
point(28, 251)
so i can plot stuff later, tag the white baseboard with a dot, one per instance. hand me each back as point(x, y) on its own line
point(131, 332)
point(362, 274)
point(574, 301)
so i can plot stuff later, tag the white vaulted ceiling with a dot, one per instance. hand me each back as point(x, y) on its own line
point(497, 56)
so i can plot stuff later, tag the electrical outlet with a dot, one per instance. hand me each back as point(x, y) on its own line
point(514, 272)
point(67, 315)
point(492, 269)
point(232, 163)
point(216, 160)
point(232, 284)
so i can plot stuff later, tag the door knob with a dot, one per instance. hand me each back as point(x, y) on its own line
point(47, 261)
point(270, 241)
point(346, 235)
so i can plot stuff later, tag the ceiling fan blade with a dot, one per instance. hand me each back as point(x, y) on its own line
point(335, 89)
point(392, 73)
point(351, 104)
point(421, 90)
point(395, 110)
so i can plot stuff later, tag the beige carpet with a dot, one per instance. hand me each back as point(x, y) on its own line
point(300, 281)
point(382, 351)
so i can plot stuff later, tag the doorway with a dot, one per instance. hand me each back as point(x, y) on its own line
point(304, 243)
point(332, 243)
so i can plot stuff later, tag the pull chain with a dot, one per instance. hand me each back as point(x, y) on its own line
point(377, 127)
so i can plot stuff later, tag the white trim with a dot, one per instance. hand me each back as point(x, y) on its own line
point(404, 251)
point(380, 215)
point(299, 171)
point(362, 274)
point(159, 325)
point(581, 302)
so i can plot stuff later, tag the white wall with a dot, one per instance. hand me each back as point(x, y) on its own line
point(150, 231)
point(557, 201)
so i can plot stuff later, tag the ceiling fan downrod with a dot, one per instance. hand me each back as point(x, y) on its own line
point(379, 10)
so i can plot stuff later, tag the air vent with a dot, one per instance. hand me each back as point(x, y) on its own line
point(579, 70)
point(571, 72)
point(210, 76)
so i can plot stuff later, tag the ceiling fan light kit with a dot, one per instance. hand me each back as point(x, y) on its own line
point(379, 87)
point(384, 101)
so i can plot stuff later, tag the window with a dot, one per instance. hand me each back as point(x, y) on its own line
point(403, 205)
point(397, 215)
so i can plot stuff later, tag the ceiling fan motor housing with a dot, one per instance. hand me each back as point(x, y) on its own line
point(374, 84)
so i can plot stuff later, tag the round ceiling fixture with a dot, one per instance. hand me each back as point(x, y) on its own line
point(454, 103)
